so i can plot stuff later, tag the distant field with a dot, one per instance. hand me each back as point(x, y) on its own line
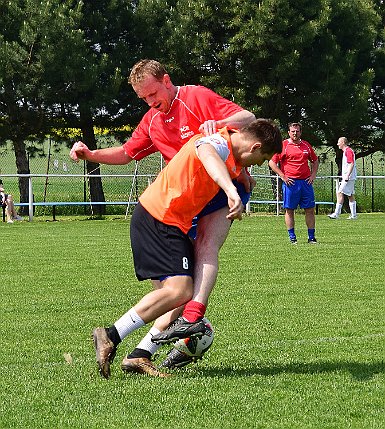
point(299, 330)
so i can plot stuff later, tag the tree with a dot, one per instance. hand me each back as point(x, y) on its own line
point(25, 43)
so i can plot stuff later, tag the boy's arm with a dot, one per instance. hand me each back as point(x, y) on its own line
point(217, 170)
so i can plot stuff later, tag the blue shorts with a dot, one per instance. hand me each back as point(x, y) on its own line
point(217, 203)
point(299, 193)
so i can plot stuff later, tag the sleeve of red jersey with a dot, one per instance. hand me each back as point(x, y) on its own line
point(140, 144)
point(349, 155)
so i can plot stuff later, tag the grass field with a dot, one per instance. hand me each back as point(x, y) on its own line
point(299, 337)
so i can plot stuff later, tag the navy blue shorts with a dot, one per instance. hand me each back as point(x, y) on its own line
point(217, 203)
point(159, 250)
point(300, 193)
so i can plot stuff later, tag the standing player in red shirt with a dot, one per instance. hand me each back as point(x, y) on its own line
point(176, 114)
point(297, 166)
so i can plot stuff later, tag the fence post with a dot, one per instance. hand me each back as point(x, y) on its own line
point(372, 173)
point(30, 199)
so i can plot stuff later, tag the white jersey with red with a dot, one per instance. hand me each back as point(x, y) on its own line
point(168, 132)
point(294, 159)
point(349, 157)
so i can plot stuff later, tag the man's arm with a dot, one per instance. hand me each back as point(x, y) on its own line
point(217, 170)
point(349, 171)
point(238, 121)
point(274, 166)
point(110, 155)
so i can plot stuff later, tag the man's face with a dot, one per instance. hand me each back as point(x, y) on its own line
point(295, 133)
point(156, 93)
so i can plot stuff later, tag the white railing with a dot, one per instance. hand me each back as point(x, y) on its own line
point(262, 198)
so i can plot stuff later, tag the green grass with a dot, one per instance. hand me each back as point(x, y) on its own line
point(299, 330)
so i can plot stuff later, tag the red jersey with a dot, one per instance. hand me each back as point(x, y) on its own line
point(183, 187)
point(294, 159)
point(168, 132)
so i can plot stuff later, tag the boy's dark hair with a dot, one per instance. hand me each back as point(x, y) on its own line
point(268, 133)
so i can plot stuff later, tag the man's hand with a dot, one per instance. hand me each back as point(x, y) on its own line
point(311, 179)
point(208, 127)
point(79, 151)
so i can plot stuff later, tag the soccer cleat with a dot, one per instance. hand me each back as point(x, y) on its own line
point(105, 351)
point(177, 359)
point(293, 241)
point(333, 216)
point(351, 217)
point(179, 329)
point(312, 240)
point(142, 366)
point(10, 221)
point(17, 217)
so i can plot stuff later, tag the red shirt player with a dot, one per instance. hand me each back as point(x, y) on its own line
point(297, 166)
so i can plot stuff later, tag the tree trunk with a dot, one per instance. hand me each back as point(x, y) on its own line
point(95, 183)
point(22, 166)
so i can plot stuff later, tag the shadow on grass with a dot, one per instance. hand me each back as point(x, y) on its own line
point(359, 371)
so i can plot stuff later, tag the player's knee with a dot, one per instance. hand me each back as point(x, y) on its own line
point(180, 293)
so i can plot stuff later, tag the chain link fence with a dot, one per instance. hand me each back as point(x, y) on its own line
point(124, 183)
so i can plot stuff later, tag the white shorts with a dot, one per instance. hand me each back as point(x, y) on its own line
point(346, 188)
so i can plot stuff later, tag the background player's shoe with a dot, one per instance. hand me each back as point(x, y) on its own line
point(333, 216)
point(351, 217)
point(142, 366)
point(312, 240)
point(179, 329)
point(105, 351)
point(176, 359)
point(293, 241)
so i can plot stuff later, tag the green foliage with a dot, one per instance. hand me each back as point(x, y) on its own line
point(299, 332)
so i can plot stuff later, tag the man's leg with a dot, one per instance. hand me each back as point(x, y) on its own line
point(310, 223)
point(353, 207)
point(290, 225)
point(339, 205)
point(212, 232)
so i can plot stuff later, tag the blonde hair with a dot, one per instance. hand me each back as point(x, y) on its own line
point(145, 68)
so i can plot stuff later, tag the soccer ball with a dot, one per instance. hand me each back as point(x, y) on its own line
point(197, 347)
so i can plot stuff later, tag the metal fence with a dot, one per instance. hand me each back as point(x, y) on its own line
point(56, 178)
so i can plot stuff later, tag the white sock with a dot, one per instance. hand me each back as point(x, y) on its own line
point(353, 208)
point(147, 344)
point(338, 209)
point(128, 323)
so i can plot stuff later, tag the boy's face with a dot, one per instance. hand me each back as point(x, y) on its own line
point(256, 157)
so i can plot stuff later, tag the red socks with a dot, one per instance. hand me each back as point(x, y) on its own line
point(193, 311)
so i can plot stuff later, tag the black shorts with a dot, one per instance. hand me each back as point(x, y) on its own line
point(159, 250)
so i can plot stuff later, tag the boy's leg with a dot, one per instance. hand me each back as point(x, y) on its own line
point(175, 292)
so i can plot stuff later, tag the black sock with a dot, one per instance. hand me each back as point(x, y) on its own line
point(113, 335)
point(139, 353)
